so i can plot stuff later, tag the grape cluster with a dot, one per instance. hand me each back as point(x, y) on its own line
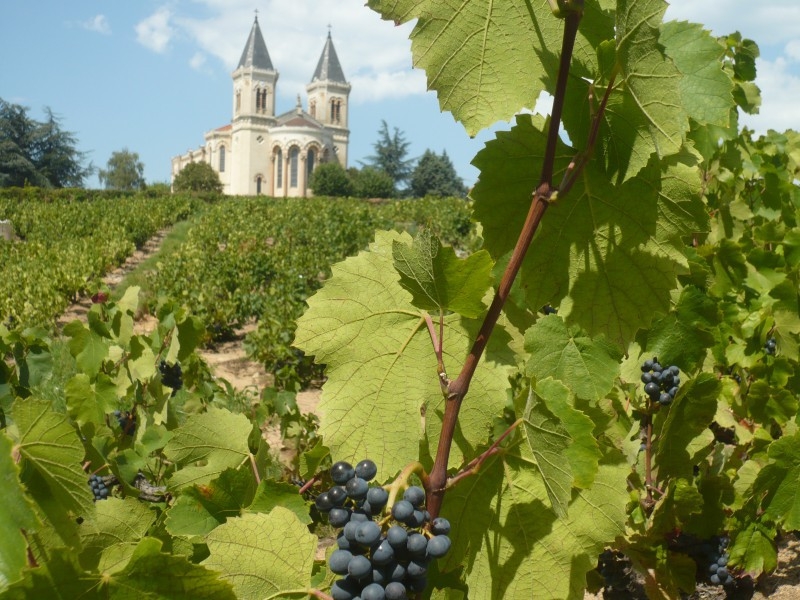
point(549, 310)
point(171, 376)
point(660, 383)
point(380, 559)
point(771, 346)
point(100, 486)
point(717, 556)
point(126, 420)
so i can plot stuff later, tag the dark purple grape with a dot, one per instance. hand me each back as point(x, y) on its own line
point(402, 510)
point(345, 589)
point(383, 554)
point(323, 502)
point(664, 399)
point(395, 591)
point(415, 495)
point(652, 389)
point(367, 470)
point(440, 526)
point(647, 365)
point(338, 517)
point(647, 377)
point(377, 498)
point(438, 546)
point(397, 536)
point(349, 531)
point(342, 472)
point(339, 560)
point(417, 519)
point(359, 567)
point(337, 495)
point(342, 542)
point(373, 591)
point(357, 488)
point(368, 533)
point(417, 544)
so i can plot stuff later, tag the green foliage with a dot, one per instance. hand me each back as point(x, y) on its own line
point(669, 234)
point(124, 171)
point(390, 155)
point(38, 153)
point(330, 179)
point(435, 175)
point(371, 182)
point(197, 177)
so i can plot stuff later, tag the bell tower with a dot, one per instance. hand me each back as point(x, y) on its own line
point(254, 82)
point(328, 98)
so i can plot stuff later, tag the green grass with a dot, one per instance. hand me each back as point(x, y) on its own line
point(139, 276)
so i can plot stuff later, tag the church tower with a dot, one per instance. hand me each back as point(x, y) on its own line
point(328, 97)
point(254, 83)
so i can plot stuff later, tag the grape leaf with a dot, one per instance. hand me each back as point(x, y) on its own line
point(439, 281)
point(89, 402)
point(646, 115)
point(587, 367)
point(511, 545)
point(559, 439)
point(778, 483)
point(362, 325)
point(275, 493)
point(116, 521)
point(488, 60)
point(88, 348)
point(263, 555)
point(593, 241)
point(201, 508)
point(687, 417)
point(49, 445)
point(217, 438)
point(15, 516)
point(754, 550)
point(706, 89)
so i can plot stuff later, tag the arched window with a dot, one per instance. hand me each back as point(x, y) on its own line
point(258, 185)
point(294, 159)
point(258, 100)
point(312, 156)
point(238, 100)
point(278, 168)
point(222, 159)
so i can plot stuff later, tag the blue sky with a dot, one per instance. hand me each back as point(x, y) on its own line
point(154, 75)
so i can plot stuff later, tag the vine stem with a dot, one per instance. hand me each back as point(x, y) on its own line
point(475, 465)
point(542, 196)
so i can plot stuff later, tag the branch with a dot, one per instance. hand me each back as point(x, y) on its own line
point(475, 465)
point(542, 197)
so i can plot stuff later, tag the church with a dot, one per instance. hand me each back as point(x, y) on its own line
point(261, 153)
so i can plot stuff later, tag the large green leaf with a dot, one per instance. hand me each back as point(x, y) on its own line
point(50, 446)
point(15, 517)
point(216, 440)
point(89, 402)
point(438, 280)
point(363, 326)
point(263, 555)
point(559, 441)
point(488, 60)
point(115, 522)
point(779, 482)
point(587, 367)
point(511, 545)
point(88, 347)
point(594, 241)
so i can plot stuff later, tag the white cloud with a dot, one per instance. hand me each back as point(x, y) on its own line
point(372, 52)
point(197, 61)
point(792, 50)
point(155, 32)
point(98, 23)
point(773, 22)
point(779, 92)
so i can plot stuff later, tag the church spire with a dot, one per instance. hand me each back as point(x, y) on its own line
point(328, 67)
point(255, 51)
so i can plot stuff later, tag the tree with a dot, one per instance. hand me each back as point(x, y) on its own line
point(371, 182)
point(330, 179)
point(125, 171)
point(390, 155)
point(197, 177)
point(38, 153)
point(435, 175)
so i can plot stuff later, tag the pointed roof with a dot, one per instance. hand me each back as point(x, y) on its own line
point(255, 51)
point(328, 67)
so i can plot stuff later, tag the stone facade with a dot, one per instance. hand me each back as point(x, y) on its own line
point(261, 153)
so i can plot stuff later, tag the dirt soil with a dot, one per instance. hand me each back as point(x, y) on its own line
point(228, 360)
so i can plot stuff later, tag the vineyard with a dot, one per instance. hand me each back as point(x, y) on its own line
point(586, 379)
